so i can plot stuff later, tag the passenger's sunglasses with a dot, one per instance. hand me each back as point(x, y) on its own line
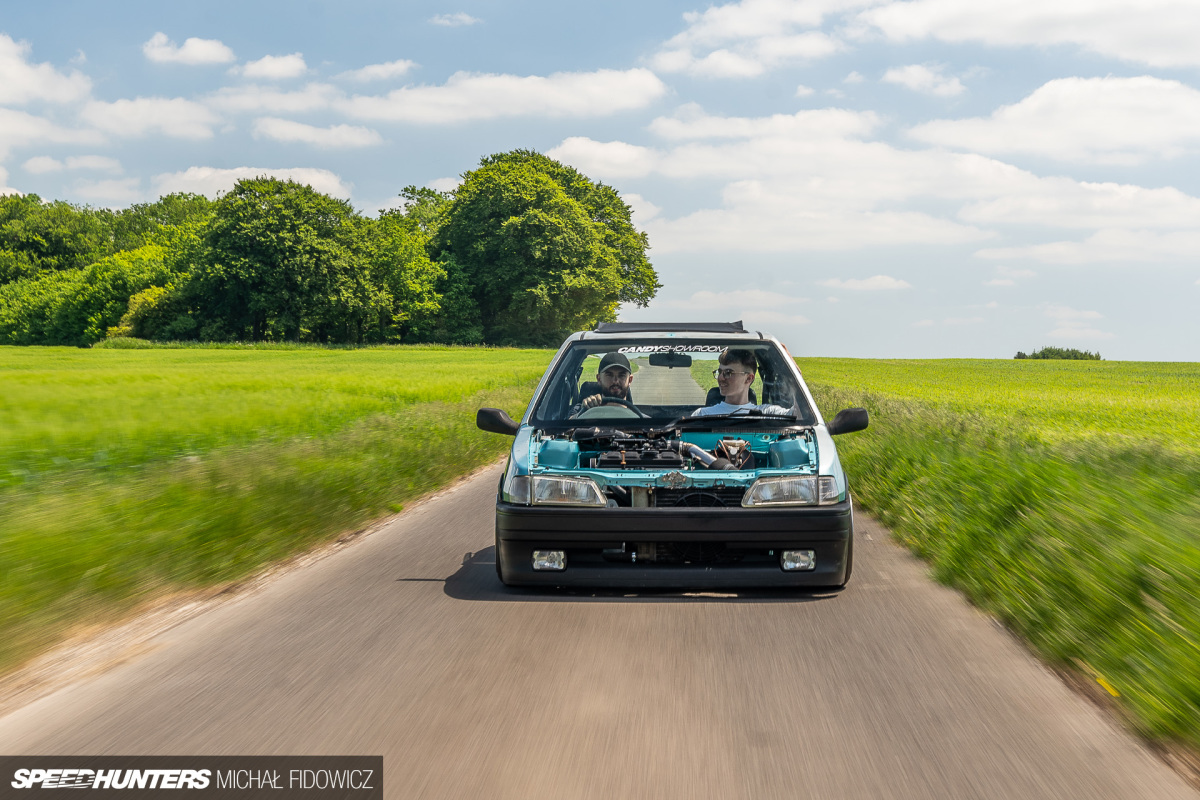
point(728, 373)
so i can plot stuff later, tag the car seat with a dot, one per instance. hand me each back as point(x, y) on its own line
point(714, 396)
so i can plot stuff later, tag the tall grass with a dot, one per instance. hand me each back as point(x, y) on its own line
point(217, 463)
point(1063, 497)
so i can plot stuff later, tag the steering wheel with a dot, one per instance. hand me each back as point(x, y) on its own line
point(622, 401)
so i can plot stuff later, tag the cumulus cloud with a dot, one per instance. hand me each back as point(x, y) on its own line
point(255, 98)
point(113, 193)
point(1105, 120)
point(690, 122)
point(1070, 323)
point(22, 82)
point(750, 37)
point(875, 283)
point(444, 184)
point(455, 20)
point(1063, 202)
point(925, 79)
point(605, 159)
point(273, 68)
point(39, 165)
point(380, 72)
point(19, 129)
point(212, 181)
point(804, 91)
point(471, 96)
point(336, 136)
point(1110, 245)
point(194, 51)
point(1161, 33)
point(175, 117)
point(761, 306)
point(643, 210)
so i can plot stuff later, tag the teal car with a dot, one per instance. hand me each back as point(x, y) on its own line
point(638, 464)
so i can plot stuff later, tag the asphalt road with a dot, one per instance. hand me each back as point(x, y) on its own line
point(405, 645)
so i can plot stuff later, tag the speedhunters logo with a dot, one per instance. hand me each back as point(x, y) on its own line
point(281, 777)
point(111, 779)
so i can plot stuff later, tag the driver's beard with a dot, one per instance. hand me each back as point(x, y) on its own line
point(614, 391)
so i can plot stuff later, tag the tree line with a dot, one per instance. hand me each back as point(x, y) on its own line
point(524, 251)
point(1067, 353)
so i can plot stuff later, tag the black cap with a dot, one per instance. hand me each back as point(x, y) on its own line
point(614, 360)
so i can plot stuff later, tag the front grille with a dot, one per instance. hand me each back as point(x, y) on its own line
point(699, 498)
point(696, 553)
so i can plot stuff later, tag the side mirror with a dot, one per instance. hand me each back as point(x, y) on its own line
point(848, 420)
point(493, 420)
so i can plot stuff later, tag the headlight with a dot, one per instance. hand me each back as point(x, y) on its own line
point(785, 490)
point(564, 491)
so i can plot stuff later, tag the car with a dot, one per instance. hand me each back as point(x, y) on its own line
point(645, 488)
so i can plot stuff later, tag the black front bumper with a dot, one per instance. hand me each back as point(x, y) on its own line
point(732, 547)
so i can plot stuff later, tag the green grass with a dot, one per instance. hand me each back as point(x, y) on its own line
point(133, 474)
point(1062, 496)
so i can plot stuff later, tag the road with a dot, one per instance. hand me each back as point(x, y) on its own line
point(404, 644)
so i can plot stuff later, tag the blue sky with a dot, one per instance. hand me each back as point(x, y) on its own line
point(933, 178)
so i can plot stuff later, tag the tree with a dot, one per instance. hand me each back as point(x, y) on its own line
point(283, 262)
point(539, 250)
point(1066, 353)
point(38, 237)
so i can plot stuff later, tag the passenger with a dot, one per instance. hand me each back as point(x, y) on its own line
point(613, 379)
point(734, 376)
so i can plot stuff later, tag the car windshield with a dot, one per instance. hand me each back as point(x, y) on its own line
point(670, 380)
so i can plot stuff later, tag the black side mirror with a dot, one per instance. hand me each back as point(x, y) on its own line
point(848, 420)
point(493, 420)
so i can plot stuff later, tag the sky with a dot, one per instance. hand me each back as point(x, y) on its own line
point(862, 178)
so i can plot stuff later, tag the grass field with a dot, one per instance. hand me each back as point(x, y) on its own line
point(131, 474)
point(1063, 496)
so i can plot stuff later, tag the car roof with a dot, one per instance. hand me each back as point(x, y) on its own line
point(668, 330)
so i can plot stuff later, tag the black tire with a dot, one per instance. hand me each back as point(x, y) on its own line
point(499, 568)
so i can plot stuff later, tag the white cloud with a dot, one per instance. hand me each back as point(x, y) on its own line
point(42, 164)
point(194, 51)
point(260, 99)
point(992, 304)
point(1070, 323)
point(748, 38)
point(176, 117)
point(444, 184)
point(873, 284)
point(380, 72)
point(273, 68)
point(853, 77)
point(804, 91)
point(1000, 282)
point(690, 122)
point(471, 96)
point(1107, 246)
point(605, 159)
point(21, 81)
point(925, 79)
point(1162, 33)
point(336, 136)
point(455, 20)
point(643, 210)
point(19, 129)
point(113, 193)
point(923, 323)
point(211, 181)
point(1106, 120)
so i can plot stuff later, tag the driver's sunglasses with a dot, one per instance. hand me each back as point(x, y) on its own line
point(726, 373)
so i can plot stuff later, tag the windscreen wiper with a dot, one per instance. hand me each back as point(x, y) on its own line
point(728, 420)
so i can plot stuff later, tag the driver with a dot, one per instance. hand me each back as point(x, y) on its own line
point(613, 379)
point(735, 373)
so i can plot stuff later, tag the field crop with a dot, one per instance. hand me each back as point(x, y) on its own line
point(132, 474)
point(1064, 497)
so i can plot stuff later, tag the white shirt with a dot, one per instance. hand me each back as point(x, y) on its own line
point(728, 408)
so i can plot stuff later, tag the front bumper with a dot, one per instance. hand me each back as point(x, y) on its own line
point(713, 547)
